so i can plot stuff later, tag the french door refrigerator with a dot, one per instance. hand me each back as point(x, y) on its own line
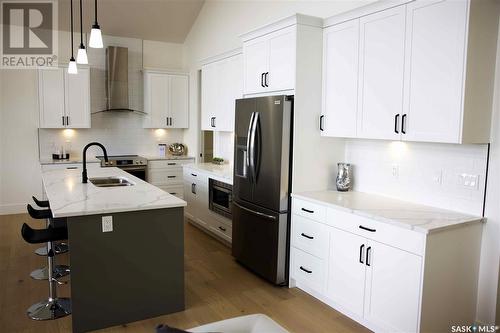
point(261, 185)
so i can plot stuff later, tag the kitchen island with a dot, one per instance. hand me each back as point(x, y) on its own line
point(126, 246)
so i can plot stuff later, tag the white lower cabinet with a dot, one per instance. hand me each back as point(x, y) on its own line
point(167, 175)
point(388, 278)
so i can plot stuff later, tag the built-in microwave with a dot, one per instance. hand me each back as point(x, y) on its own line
point(220, 198)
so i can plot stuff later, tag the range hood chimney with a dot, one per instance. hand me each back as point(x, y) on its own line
point(117, 79)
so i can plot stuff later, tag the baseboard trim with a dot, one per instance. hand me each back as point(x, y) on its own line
point(8, 209)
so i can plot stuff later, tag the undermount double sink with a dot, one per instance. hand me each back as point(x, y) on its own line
point(110, 181)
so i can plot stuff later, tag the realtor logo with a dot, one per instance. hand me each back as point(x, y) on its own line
point(29, 33)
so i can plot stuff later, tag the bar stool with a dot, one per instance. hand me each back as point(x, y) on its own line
point(53, 307)
point(58, 247)
point(59, 271)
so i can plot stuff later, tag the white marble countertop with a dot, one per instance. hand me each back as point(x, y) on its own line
point(222, 172)
point(48, 161)
point(167, 157)
point(68, 196)
point(407, 215)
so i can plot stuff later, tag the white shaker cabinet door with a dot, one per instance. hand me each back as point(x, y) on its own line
point(255, 64)
point(382, 42)
point(436, 41)
point(77, 98)
point(340, 80)
point(179, 101)
point(51, 97)
point(392, 294)
point(281, 72)
point(346, 273)
point(209, 95)
point(156, 100)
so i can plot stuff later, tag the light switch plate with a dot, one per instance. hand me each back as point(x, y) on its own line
point(107, 223)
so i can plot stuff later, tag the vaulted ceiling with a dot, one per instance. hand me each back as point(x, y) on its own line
point(161, 20)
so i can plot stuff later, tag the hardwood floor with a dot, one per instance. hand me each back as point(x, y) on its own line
point(216, 288)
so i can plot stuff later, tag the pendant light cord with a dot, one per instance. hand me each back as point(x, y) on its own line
point(95, 8)
point(81, 23)
point(71, 20)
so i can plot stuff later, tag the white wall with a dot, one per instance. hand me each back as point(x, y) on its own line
point(490, 251)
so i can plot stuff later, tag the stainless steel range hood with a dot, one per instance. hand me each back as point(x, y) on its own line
point(117, 98)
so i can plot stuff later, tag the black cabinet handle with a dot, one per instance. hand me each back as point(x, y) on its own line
point(171, 163)
point(194, 175)
point(321, 122)
point(173, 193)
point(171, 176)
point(403, 124)
point(67, 120)
point(266, 77)
point(193, 188)
point(396, 121)
point(63, 121)
point(223, 229)
point(306, 270)
point(368, 255)
point(72, 168)
point(215, 124)
point(308, 211)
point(367, 229)
point(306, 236)
point(262, 80)
point(361, 248)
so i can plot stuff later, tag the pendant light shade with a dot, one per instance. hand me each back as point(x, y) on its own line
point(81, 57)
point(72, 69)
point(95, 34)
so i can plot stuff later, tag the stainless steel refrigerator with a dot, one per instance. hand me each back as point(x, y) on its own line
point(261, 185)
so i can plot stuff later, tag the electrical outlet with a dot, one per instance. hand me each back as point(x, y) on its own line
point(107, 223)
point(469, 181)
point(438, 177)
point(395, 171)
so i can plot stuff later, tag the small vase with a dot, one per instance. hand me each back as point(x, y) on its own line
point(344, 177)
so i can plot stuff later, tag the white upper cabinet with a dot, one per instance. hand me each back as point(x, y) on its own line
point(64, 99)
point(381, 69)
point(166, 100)
point(340, 80)
point(281, 71)
point(436, 39)
point(426, 71)
point(256, 58)
point(221, 86)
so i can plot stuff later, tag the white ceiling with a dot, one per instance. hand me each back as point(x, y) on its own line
point(161, 20)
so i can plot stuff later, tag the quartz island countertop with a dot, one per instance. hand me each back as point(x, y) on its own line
point(68, 196)
point(420, 218)
point(223, 172)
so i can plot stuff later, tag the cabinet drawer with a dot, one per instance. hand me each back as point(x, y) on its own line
point(395, 236)
point(221, 229)
point(310, 210)
point(194, 176)
point(310, 236)
point(178, 191)
point(161, 164)
point(165, 177)
point(308, 269)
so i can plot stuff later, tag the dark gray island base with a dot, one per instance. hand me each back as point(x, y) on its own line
point(132, 273)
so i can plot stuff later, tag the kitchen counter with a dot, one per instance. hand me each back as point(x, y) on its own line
point(223, 173)
point(69, 197)
point(424, 219)
point(50, 161)
point(167, 157)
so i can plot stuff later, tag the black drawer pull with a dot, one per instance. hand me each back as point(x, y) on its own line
point(367, 229)
point(306, 270)
point(361, 248)
point(173, 193)
point(308, 211)
point(222, 228)
point(72, 168)
point(306, 236)
point(171, 163)
point(171, 176)
point(194, 175)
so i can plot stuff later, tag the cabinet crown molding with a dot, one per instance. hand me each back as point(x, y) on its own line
point(296, 19)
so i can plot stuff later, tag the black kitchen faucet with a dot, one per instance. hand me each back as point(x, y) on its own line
point(84, 172)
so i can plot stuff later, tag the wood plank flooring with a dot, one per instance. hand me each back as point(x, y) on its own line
point(216, 288)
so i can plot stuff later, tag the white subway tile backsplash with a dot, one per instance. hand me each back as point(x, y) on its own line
point(427, 173)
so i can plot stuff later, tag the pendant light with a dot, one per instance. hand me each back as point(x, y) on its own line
point(72, 69)
point(81, 57)
point(95, 33)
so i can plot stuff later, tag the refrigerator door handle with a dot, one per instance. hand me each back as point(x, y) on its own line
point(255, 146)
point(270, 217)
point(249, 134)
